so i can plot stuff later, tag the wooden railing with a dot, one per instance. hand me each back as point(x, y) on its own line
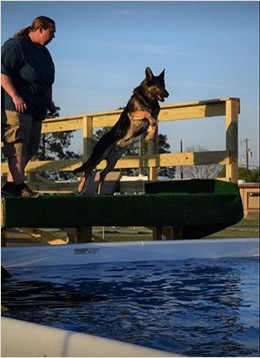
point(228, 107)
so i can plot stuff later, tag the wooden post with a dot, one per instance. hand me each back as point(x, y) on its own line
point(157, 232)
point(153, 149)
point(232, 110)
point(84, 233)
point(31, 177)
point(177, 232)
point(87, 128)
point(3, 237)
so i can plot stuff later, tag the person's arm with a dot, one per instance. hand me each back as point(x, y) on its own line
point(52, 108)
point(8, 86)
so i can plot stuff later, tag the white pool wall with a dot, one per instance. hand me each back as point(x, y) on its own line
point(82, 254)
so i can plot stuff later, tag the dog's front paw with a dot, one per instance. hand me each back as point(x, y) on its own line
point(151, 132)
point(149, 137)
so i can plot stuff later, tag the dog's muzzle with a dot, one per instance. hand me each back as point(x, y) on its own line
point(165, 95)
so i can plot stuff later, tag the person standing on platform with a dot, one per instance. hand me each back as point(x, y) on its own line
point(27, 76)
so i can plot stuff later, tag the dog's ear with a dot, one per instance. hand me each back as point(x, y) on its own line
point(148, 74)
point(161, 75)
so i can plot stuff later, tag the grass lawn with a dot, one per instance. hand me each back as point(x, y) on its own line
point(248, 227)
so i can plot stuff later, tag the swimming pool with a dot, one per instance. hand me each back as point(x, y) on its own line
point(191, 306)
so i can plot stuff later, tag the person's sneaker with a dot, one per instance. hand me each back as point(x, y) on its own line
point(24, 191)
point(8, 189)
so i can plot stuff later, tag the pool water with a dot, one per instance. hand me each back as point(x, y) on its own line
point(192, 307)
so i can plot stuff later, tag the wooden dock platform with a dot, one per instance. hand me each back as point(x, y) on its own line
point(192, 208)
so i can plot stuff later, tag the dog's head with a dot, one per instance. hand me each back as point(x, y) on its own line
point(155, 85)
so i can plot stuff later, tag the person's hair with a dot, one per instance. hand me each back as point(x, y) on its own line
point(40, 22)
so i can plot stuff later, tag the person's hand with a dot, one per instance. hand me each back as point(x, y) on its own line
point(53, 110)
point(19, 103)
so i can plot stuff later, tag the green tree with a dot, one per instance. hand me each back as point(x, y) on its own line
point(241, 173)
point(253, 175)
point(54, 146)
point(164, 147)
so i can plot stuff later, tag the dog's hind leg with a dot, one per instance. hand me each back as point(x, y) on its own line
point(97, 154)
point(96, 157)
point(82, 183)
point(111, 162)
point(83, 180)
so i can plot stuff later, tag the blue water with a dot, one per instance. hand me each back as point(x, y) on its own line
point(196, 308)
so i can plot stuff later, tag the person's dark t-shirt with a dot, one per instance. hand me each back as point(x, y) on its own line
point(31, 69)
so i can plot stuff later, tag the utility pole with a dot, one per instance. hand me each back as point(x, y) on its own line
point(181, 168)
point(247, 152)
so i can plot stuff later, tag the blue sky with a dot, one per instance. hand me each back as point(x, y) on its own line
point(208, 49)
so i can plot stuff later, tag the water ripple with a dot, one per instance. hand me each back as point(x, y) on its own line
point(197, 308)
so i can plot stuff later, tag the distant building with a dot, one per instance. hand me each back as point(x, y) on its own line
point(250, 194)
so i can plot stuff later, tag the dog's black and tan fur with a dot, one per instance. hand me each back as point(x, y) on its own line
point(139, 116)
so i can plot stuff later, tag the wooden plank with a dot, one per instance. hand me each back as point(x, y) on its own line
point(177, 111)
point(107, 120)
point(48, 165)
point(172, 159)
point(193, 103)
point(156, 160)
point(62, 125)
point(192, 112)
point(193, 158)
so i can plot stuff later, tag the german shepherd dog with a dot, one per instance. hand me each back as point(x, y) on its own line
point(139, 116)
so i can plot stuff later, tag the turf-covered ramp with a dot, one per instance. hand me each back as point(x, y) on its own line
point(198, 207)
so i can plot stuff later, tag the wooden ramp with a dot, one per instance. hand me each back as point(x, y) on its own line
point(110, 184)
point(195, 208)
